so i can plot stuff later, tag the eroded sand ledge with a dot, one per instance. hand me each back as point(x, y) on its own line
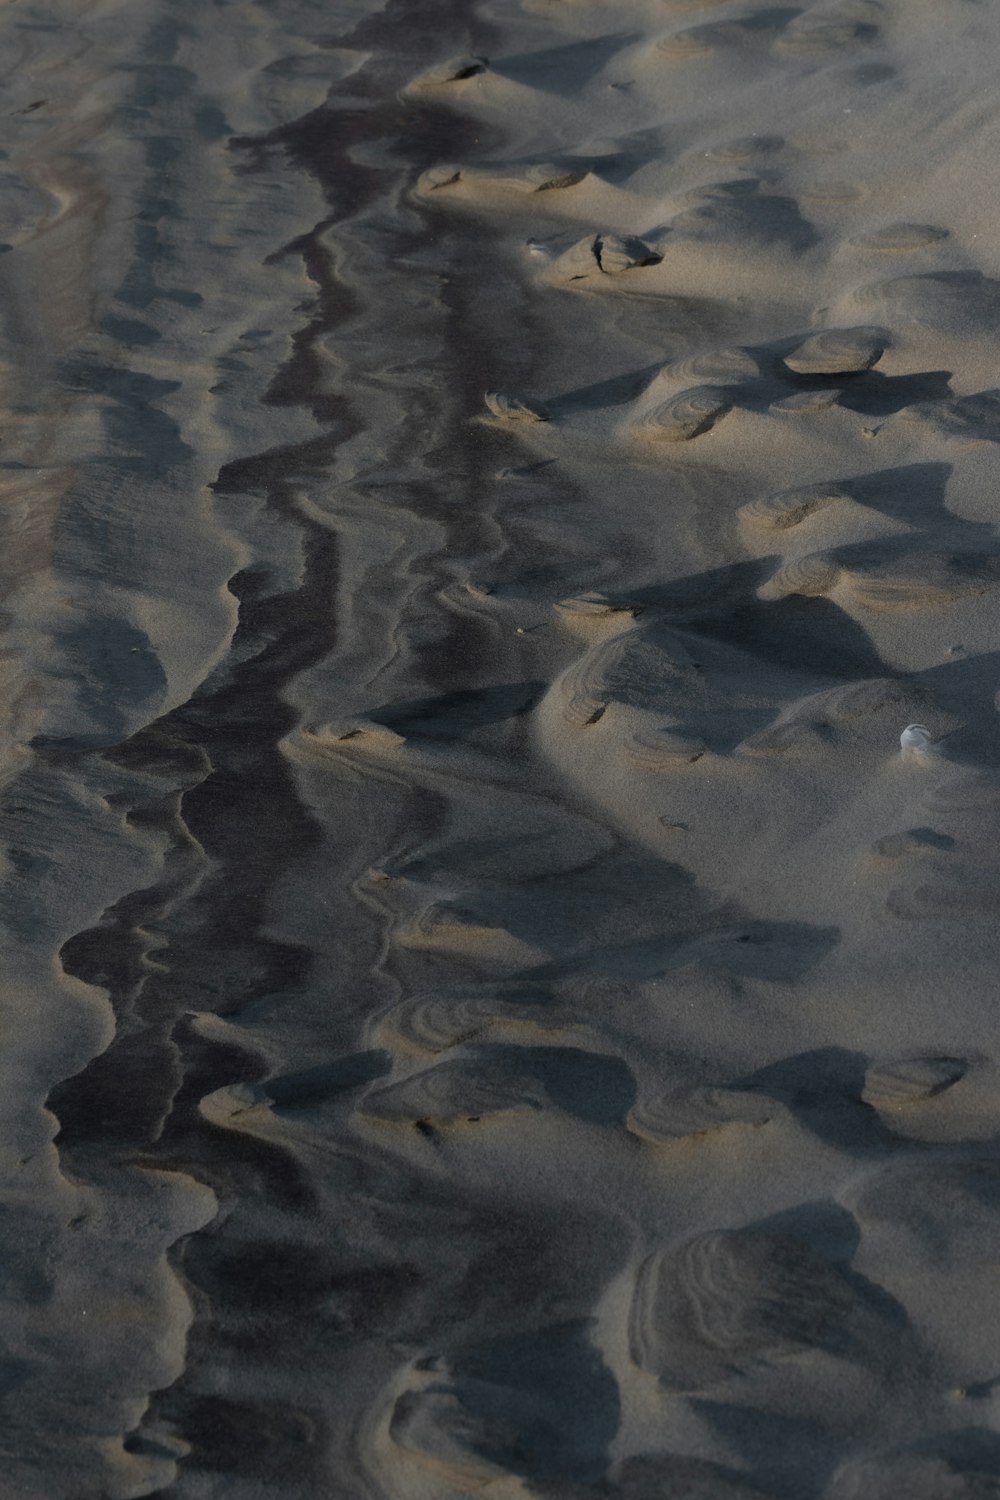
point(487, 1005)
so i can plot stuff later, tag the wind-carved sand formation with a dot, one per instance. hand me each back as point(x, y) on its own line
point(501, 774)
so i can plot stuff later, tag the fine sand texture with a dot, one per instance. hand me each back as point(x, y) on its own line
point(500, 887)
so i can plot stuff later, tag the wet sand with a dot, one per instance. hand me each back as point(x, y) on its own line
point(490, 1004)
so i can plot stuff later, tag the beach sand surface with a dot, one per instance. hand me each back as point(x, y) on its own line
point(490, 1004)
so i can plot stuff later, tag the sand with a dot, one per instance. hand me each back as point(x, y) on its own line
point(490, 1005)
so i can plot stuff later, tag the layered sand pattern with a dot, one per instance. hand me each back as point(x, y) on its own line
point(492, 1006)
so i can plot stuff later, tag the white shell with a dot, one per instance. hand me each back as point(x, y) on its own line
point(915, 742)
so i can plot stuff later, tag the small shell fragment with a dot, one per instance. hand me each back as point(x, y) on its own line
point(363, 735)
point(454, 70)
point(915, 742)
point(439, 177)
point(664, 750)
point(512, 409)
point(546, 177)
